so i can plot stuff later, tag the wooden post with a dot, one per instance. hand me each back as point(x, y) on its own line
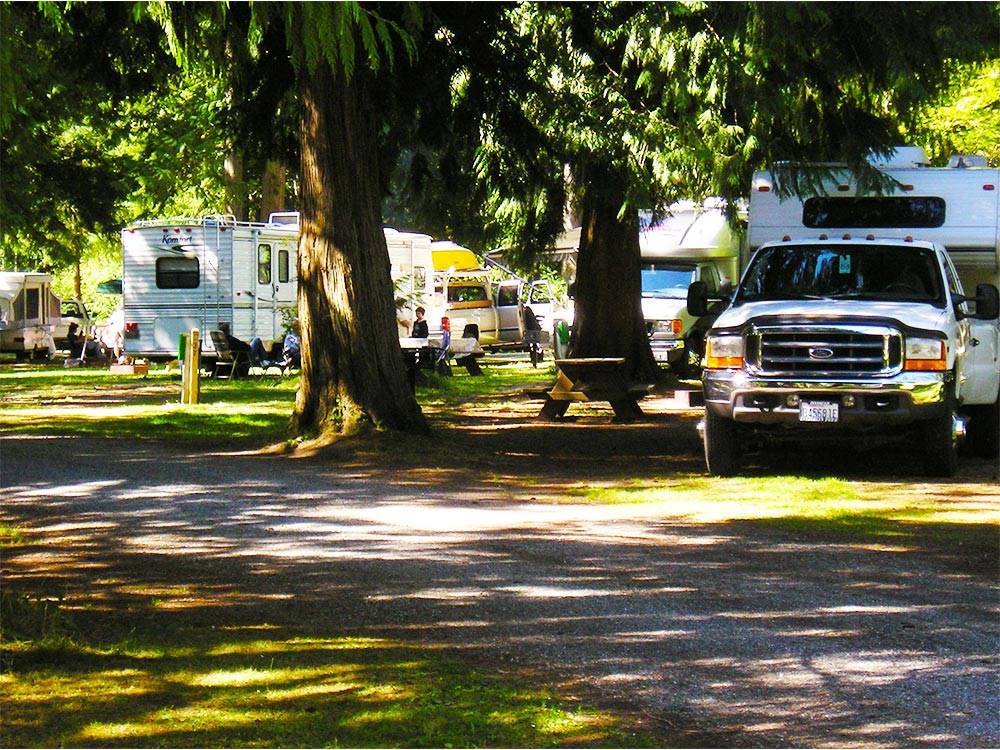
point(195, 357)
point(190, 350)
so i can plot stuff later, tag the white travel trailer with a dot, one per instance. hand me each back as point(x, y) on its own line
point(28, 313)
point(187, 273)
point(694, 242)
point(956, 206)
point(412, 270)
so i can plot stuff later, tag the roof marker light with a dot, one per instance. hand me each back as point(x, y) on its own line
point(988, 186)
point(908, 238)
point(786, 238)
point(870, 237)
point(823, 236)
point(763, 188)
point(843, 188)
point(907, 188)
point(846, 236)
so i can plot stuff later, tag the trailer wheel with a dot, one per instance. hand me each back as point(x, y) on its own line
point(722, 445)
point(984, 430)
point(940, 444)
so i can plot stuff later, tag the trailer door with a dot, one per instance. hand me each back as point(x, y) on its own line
point(265, 291)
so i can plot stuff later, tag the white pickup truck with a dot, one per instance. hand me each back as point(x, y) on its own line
point(860, 329)
point(852, 335)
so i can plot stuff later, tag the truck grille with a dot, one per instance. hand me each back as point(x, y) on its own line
point(858, 351)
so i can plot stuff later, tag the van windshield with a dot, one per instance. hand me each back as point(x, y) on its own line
point(878, 272)
point(666, 281)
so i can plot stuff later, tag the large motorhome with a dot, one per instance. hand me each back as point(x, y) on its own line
point(693, 242)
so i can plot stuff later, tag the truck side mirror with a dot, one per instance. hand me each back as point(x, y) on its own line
point(987, 302)
point(697, 299)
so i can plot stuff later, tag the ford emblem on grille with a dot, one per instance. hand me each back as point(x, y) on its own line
point(820, 352)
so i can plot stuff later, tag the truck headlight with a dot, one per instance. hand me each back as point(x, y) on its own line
point(668, 326)
point(926, 354)
point(723, 352)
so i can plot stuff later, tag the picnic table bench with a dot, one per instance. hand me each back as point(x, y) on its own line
point(594, 379)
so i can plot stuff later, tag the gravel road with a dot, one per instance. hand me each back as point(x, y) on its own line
point(723, 634)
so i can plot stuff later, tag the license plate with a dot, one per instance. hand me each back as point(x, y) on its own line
point(818, 411)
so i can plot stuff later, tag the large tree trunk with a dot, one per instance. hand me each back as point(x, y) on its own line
point(608, 320)
point(352, 366)
point(236, 189)
point(272, 190)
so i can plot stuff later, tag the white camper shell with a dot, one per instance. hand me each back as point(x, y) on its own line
point(694, 242)
point(28, 313)
point(956, 206)
point(188, 273)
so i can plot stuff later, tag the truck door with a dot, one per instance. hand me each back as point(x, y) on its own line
point(508, 302)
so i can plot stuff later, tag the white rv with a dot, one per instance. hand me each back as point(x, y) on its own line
point(28, 313)
point(181, 274)
point(694, 242)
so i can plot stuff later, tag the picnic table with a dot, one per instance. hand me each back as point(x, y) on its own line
point(594, 379)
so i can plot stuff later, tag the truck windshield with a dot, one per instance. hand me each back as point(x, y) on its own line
point(666, 281)
point(879, 272)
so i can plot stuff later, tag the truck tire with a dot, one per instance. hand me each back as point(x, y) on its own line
point(722, 445)
point(939, 444)
point(984, 430)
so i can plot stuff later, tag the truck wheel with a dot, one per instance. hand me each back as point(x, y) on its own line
point(984, 430)
point(722, 445)
point(940, 446)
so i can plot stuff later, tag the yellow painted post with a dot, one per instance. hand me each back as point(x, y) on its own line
point(194, 380)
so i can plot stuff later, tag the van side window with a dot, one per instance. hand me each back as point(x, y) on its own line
point(263, 264)
point(282, 265)
point(177, 273)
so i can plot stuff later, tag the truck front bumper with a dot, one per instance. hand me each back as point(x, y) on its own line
point(902, 399)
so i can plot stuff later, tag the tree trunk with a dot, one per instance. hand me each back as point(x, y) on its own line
point(236, 189)
point(77, 280)
point(352, 366)
point(272, 192)
point(608, 319)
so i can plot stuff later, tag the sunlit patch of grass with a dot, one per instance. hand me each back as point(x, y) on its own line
point(13, 536)
point(226, 687)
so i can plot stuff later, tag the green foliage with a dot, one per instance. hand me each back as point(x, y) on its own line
point(965, 118)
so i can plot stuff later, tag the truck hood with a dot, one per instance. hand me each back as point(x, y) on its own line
point(662, 308)
point(913, 314)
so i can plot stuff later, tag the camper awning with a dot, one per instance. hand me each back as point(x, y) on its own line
point(451, 255)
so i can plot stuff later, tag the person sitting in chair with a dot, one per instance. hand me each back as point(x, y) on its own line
point(291, 353)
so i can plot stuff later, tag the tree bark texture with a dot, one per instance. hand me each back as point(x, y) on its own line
point(352, 365)
point(608, 296)
point(236, 189)
point(272, 192)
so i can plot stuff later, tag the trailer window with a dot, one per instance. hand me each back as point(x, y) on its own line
point(467, 294)
point(282, 266)
point(177, 273)
point(880, 212)
point(263, 264)
point(507, 296)
point(31, 304)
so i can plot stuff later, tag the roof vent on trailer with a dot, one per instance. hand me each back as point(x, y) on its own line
point(284, 218)
point(902, 157)
point(961, 161)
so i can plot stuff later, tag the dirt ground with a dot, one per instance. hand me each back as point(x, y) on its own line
point(733, 633)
